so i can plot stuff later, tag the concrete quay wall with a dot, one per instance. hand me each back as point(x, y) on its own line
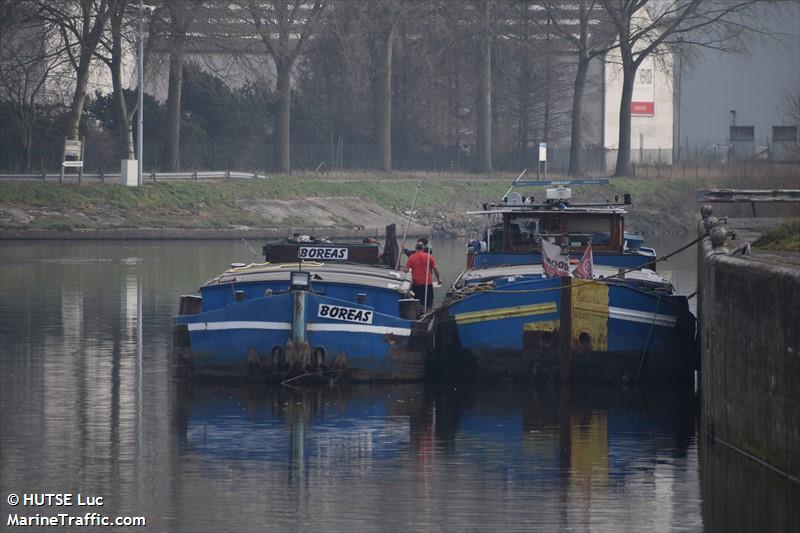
point(749, 313)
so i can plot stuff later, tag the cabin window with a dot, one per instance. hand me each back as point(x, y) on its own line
point(524, 230)
point(550, 226)
point(596, 229)
point(495, 238)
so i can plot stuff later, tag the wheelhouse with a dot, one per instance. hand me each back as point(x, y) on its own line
point(518, 225)
point(523, 230)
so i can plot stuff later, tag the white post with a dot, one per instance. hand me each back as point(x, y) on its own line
point(130, 172)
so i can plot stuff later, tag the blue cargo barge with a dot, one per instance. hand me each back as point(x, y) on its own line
point(315, 317)
point(504, 316)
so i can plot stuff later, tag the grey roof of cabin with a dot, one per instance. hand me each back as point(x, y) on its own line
point(371, 276)
point(545, 210)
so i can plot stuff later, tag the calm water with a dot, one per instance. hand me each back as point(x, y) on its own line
point(86, 405)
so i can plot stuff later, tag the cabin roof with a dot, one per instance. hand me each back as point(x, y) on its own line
point(371, 276)
point(488, 273)
point(542, 210)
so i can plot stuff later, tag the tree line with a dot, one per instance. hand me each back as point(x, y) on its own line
point(482, 79)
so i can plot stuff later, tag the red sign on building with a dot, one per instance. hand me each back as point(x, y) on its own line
point(643, 108)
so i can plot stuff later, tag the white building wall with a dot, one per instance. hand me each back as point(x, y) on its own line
point(652, 130)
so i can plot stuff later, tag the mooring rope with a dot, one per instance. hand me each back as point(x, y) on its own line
point(408, 223)
point(306, 374)
point(647, 342)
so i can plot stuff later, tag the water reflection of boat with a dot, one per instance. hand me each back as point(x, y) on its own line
point(593, 436)
point(320, 424)
point(510, 316)
point(334, 310)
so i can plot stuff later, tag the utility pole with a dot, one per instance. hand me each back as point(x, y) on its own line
point(140, 111)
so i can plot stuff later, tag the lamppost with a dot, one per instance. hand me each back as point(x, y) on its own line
point(140, 110)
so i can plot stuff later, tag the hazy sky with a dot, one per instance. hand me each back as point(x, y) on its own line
point(754, 84)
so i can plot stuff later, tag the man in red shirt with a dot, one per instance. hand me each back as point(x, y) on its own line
point(421, 264)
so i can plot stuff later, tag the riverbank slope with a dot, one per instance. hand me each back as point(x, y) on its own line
point(344, 204)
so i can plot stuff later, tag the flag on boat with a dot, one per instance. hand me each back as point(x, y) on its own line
point(554, 264)
point(584, 267)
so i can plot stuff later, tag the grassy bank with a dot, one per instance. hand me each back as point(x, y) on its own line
point(660, 204)
point(784, 238)
point(214, 204)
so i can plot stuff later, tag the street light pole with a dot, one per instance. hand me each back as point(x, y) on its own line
point(140, 111)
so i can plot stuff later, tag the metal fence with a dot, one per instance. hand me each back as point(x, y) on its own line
point(111, 177)
point(101, 161)
point(709, 169)
point(100, 157)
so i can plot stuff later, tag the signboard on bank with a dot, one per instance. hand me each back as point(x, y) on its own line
point(72, 148)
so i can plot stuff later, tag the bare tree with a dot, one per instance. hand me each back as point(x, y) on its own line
point(523, 47)
point(116, 47)
point(179, 20)
point(644, 29)
point(379, 51)
point(425, 49)
point(790, 107)
point(7, 18)
point(81, 24)
point(581, 25)
point(29, 66)
point(284, 26)
point(12, 13)
point(484, 120)
point(385, 19)
point(388, 14)
point(336, 77)
point(527, 37)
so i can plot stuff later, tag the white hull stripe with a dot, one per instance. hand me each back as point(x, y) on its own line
point(360, 328)
point(286, 326)
point(238, 324)
point(620, 313)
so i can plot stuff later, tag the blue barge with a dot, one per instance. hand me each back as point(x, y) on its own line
point(505, 317)
point(320, 315)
